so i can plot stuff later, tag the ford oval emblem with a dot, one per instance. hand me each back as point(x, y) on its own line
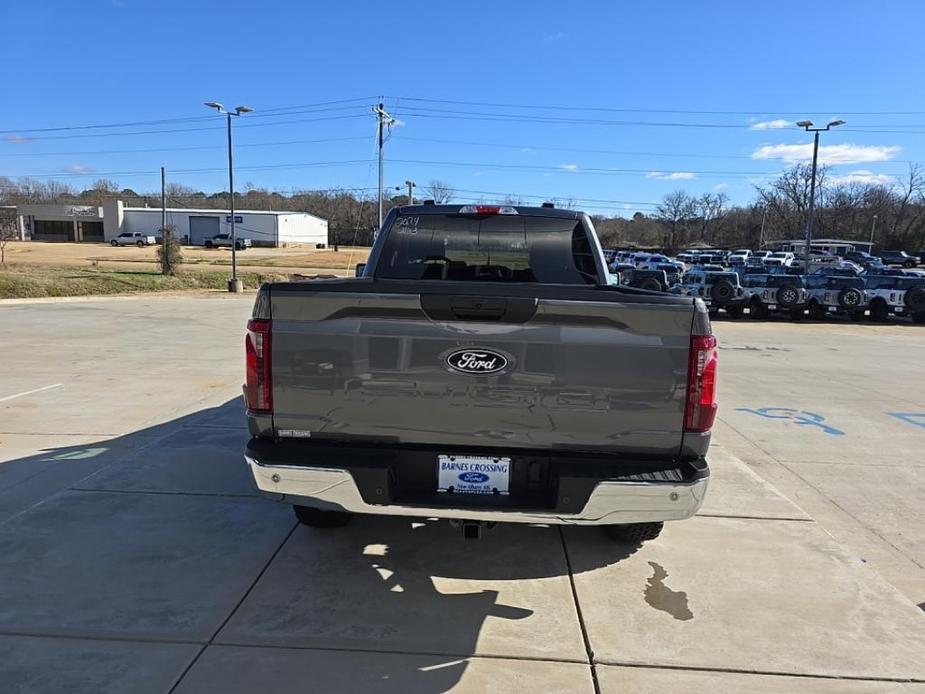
point(473, 477)
point(476, 361)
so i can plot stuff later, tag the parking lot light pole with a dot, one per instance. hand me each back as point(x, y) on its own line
point(807, 125)
point(873, 226)
point(234, 284)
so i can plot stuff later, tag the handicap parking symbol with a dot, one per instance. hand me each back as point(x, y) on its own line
point(795, 416)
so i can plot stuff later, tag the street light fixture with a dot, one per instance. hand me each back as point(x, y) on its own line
point(234, 284)
point(807, 125)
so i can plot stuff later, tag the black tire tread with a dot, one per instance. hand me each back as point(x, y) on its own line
point(635, 533)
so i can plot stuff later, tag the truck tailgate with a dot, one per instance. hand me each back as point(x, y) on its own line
point(362, 361)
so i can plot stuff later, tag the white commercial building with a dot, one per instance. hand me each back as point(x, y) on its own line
point(88, 223)
point(194, 226)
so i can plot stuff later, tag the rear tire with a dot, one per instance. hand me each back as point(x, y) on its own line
point(735, 312)
point(316, 518)
point(113, 243)
point(208, 244)
point(918, 318)
point(757, 310)
point(796, 314)
point(635, 533)
point(816, 312)
point(879, 312)
point(140, 244)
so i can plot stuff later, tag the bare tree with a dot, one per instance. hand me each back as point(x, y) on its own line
point(675, 212)
point(911, 192)
point(711, 207)
point(440, 192)
point(8, 231)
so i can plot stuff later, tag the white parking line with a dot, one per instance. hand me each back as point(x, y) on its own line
point(30, 392)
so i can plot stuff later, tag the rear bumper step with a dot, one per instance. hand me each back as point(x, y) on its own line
point(574, 493)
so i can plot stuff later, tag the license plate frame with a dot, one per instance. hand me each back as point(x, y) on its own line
point(470, 474)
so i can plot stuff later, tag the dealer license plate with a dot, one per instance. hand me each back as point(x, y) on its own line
point(473, 474)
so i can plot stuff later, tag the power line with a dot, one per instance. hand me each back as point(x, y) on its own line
point(575, 150)
point(188, 130)
point(181, 149)
point(164, 121)
point(653, 110)
point(656, 175)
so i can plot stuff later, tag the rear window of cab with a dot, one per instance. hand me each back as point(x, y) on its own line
point(495, 248)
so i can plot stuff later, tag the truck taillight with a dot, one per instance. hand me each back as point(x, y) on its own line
point(700, 410)
point(257, 394)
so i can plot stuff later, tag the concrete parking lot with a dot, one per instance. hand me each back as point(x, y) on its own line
point(136, 557)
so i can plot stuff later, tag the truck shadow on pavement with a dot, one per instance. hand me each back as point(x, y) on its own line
point(159, 536)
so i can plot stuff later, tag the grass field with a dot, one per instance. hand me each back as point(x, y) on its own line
point(308, 260)
point(19, 281)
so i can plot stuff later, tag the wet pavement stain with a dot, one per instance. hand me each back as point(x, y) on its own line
point(661, 597)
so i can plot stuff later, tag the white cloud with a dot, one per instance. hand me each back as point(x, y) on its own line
point(569, 167)
point(673, 176)
point(79, 169)
point(17, 139)
point(863, 176)
point(721, 186)
point(828, 154)
point(776, 124)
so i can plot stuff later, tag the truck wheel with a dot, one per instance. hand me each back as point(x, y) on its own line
point(757, 310)
point(787, 296)
point(140, 244)
point(735, 312)
point(918, 318)
point(879, 312)
point(113, 243)
point(796, 314)
point(635, 533)
point(915, 299)
point(316, 518)
point(816, 311)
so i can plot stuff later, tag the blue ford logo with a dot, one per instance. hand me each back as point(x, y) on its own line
point(476, 361)
point(473, 477)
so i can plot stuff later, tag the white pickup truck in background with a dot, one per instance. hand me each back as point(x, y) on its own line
point(133, 238)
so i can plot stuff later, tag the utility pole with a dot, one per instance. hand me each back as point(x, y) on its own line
point(764, 217)
point(164, 213)
point(807, 125)
point(383, 120)
point(873, 225)
point(234, 284)
point(411, 185)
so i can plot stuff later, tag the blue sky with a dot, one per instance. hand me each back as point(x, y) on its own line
point(646, 76)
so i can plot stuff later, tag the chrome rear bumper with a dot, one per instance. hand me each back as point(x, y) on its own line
point(611, 502)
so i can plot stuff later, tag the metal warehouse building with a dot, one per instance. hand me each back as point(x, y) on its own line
point(261, 227)
point(102, 224)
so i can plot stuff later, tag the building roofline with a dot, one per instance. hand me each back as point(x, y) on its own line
point(199, 210)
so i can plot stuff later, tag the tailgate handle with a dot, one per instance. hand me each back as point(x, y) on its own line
point(478, 308)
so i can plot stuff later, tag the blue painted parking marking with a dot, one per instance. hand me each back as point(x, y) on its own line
point(916, 419)
point(795, 416)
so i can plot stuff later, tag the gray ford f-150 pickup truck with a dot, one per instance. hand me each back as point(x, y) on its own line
point(481, 368)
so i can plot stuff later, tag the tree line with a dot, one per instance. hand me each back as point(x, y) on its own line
point(847, 209)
